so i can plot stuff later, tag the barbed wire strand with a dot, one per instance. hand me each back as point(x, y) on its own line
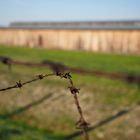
point(19, 84)
point(82, 124)
point(56, 66)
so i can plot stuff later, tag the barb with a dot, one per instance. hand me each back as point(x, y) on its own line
point(6, 60)
point(82, 124)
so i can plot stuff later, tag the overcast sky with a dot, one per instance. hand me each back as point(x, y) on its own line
point(68, 10)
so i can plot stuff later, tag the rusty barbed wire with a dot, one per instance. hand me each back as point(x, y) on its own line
point(56, 66)
point(82, 124)
point(19, 84)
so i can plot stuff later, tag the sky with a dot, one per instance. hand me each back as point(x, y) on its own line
point(68, 10)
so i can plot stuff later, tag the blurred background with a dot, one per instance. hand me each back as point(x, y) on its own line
point(98, 42)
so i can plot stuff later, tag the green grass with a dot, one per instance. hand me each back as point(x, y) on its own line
point(99, 97)
point(87, 60)
point(15, 130)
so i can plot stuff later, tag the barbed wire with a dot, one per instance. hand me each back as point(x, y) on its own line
point(56, 66)
point(82, 124)
point(19, 84)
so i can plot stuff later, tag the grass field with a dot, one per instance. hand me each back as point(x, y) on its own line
point(55, 117)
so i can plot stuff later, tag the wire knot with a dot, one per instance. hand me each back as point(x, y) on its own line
point(67, 75)
point(40, 76)
point(74, 90)
point(58, 73)
point(18, 84)
point(64, 75)
point(82, 123)
point(5, 60)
